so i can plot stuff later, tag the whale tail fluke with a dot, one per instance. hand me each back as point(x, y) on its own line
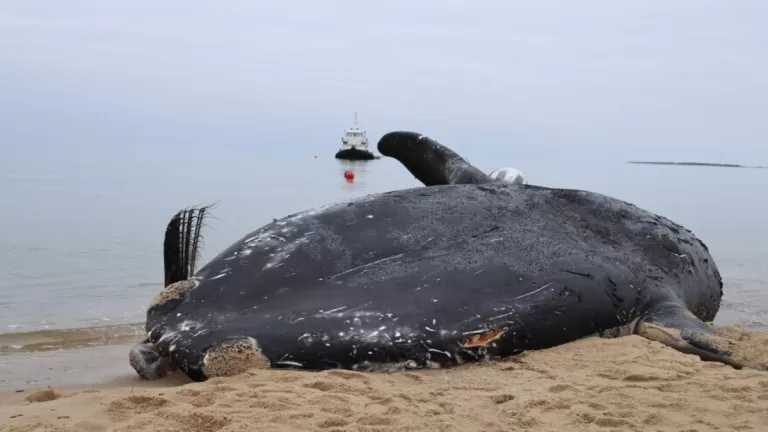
point(182, 244)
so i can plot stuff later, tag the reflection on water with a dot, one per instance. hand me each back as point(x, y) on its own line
point(360, 168)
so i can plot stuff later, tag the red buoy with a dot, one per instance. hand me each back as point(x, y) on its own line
point(349, 175)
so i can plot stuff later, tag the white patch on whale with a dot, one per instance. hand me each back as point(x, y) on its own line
point(223, 273)
point(333, 310)
point(188, 325)
point(532, 292)
point(284, 252)
point(290, 363)
point(367, 265)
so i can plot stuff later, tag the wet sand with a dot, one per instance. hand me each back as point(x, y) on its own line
point(88, 366)
point(623, 384)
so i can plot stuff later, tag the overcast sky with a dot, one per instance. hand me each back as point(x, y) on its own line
point(95, 85)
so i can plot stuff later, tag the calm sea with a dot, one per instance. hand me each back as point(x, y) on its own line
point(81, 257)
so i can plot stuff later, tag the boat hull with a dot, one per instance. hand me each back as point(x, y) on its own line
point(354, 154)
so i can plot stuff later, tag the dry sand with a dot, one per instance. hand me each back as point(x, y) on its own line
point(623, 384)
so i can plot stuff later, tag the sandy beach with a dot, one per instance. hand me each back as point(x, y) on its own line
point(622, 384)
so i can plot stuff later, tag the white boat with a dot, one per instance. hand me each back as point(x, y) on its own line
point(354, 144)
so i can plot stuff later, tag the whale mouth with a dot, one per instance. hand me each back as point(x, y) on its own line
point(148, 363)
point(167, 366)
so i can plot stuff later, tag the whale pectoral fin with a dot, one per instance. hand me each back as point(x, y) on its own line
point(676, 327)
point(429, 161)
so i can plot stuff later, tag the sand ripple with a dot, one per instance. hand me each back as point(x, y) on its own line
point(625, 384)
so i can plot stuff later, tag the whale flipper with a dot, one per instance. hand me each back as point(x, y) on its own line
point(429, 161)
point(675, 326)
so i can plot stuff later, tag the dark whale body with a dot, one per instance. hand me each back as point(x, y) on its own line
point(459, 271)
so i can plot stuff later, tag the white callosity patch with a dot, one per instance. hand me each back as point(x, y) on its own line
point(508, 175)
point(174, 291)
point(233, 358)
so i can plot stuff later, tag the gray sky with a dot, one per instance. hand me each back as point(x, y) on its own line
point(95, 86)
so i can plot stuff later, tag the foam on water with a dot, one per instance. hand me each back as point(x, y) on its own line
point(67, 339)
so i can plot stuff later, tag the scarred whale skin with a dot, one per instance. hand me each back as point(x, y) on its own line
point(436, 276)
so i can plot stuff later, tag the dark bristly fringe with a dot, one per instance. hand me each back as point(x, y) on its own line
point(182, 244)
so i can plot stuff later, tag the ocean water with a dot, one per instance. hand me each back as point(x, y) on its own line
point(81, 257)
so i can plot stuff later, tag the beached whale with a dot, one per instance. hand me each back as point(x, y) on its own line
point(465, 269)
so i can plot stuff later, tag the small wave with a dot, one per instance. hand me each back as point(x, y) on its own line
point(52, 340)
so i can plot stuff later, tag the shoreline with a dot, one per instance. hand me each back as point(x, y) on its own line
point(69, 338)
point(98, 356)
point(84, 366)
point(626, 383)
point(77, 364)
